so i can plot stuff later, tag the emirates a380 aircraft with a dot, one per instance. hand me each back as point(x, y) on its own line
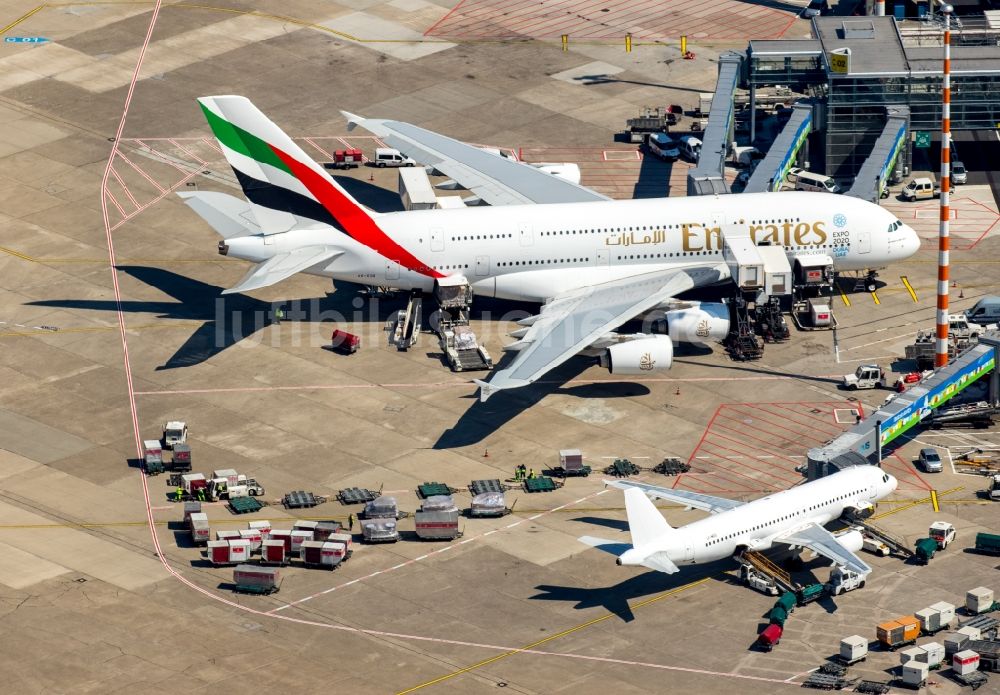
point(592, 262)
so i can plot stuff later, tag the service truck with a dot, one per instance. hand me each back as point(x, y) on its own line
point(174, 432)
point(843, 580)
point(866, 376)
point(942, 532)
point(920, 189)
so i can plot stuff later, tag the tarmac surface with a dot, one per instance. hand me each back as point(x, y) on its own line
point(94, 360)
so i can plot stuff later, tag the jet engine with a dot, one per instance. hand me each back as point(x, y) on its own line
point(699, 323)
point(851, 540)
point(639, 356)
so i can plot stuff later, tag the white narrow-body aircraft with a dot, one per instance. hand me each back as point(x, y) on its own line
point(593, 263)
point(794, 517)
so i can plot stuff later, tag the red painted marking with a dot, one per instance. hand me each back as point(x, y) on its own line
point(111, 197)
point(749, 436)
point(449, 14)
point(796, 433)
point(142, 173)
point(355, 221)
point(128, 193)
point(190, 154)
point(833, 429)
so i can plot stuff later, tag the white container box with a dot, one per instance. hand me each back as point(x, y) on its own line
point(188, 478)
point(947, 611)
point(915, 673)
point(979, 600)
point(239, 550)
point(264, 527)
point(226, 534)
point(305, 525)
point(930, 620)
point(228, 473)
point(911, 654)
point(933, 654)
point(254, 537)
point(965, 662)
point(954, 642)
point(853, 648)
point(298, 538)
point(971, 632)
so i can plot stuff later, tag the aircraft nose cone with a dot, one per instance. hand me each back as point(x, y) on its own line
point(912, 241)
point(893, 483)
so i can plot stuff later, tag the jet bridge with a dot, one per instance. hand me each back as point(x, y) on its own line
point(771, 171)
point(708, 178)
point(873, 178)
point(864, 443)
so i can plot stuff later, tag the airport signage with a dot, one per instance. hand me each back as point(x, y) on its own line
point(840, 61)
point(25, 39)
point(922, 139)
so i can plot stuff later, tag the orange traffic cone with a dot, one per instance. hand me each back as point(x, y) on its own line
point(678, 391)
point(486, 454)
point(961, 293)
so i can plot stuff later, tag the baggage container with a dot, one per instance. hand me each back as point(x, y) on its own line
point(965, 662)
point(283, 535)
point(380, 531)
point(787, 601)
point(299, 537)
point(264, 527)
point(915, 674)
point(383, 507)
point(200, 532)
point(853, 649)
point(488, 504)
point(256, 580)
point(947, 613)
point(810, 593)
point(436, 525)
point(192, 481)
point(239, 550)
point(218, 552)
point(191, 507)
point(344, 342)
point(911, 654)
point(898, 632)
point(770, 636)
point(226, 534)
point(930, 620)
point(438, 503)
point(988, 542)
point(925, 549)
point(254, 537)
point(954, 642)
point(971, 631)
point(933, 654)
point(323, 554)
point(324, 529)
point(230, 476)
point(306, 525)
point(181, 459)
point(345, 538)
point(272, 552)
point(777, 616)
point(979, 600)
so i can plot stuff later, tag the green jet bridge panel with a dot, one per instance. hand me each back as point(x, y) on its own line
point(771, 172)
point(873, 177)
point(866, 440)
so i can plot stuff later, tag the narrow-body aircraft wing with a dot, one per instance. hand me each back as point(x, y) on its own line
point(494, 179)
point(821, 541)
point(571, 322)
point(696, 500)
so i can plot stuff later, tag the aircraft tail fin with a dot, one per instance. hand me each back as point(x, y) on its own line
point(645, 522)
point(284, 185)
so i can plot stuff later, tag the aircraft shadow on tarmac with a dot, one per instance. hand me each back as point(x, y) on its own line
point(615, 599)
point(227, 319)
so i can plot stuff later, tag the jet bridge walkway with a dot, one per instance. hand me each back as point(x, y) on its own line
point(873, 178)
point(708, 178)
point(771, 172)
point(864, 443)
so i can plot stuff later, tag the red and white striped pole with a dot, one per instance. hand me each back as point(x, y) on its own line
point(941, 348)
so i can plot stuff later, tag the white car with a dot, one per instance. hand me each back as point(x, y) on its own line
point(958, 173)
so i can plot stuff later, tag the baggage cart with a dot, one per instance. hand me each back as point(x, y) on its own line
point(488, 504)
point(218, 552)
point(345, 343)
point(770, 637)
point(263, 527)
point(255, 538)
point(181, 459)
point(974, 680)
point(152, 457)
point(434, 525)
point(383, 507)
point(914, 674)
point(251, 579)
point(571, 464)
point(191, 507)
point(344, 539)
point(897, 633)
point(933, 654)
point(964, 662)
point(979, 600)
point(239, 550)
point(198, 526)
point(988, 543)
point(324, 529)
point(283, 535)
point(322, 554)
point(853, 649)
point(379, 531)
point(297, 538)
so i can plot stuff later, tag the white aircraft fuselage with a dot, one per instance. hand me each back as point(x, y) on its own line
point(755, 525)
point(535, 252)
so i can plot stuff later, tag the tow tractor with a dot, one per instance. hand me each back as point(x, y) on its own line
point(220, 489)
point(867, 376)
point(942, 532)
point(174, 432)
point(994, 488)
point(843, 580)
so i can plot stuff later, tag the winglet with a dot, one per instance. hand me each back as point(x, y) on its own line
point(353, 120)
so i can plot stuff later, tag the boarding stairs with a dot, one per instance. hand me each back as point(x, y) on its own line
point(407, 327)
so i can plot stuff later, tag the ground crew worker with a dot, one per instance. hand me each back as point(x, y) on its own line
point(517, 473)
point(524, 471)
point(531, 474)
point(279, 314)
point(201, 494)
point(180, 493)
point(350, 522)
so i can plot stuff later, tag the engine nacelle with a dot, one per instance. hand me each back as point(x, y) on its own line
point(640, 356)
point(851, 541)
point(699, 323)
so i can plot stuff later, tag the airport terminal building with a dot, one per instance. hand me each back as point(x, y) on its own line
point(861, 70)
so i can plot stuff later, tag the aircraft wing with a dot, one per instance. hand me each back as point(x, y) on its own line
point(573, 321)
point(696, 500)
point(283, 265)
point(495, 180)
point(821, 541)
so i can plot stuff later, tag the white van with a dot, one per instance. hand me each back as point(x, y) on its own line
point(690, 147)
point(663, 146)
point(986, 310)
point(808, 181)
point(388, 157)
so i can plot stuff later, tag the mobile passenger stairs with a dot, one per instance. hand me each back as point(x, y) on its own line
point(404, 328)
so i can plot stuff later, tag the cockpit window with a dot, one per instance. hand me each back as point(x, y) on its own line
point(895, 225)
point(885, 478)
